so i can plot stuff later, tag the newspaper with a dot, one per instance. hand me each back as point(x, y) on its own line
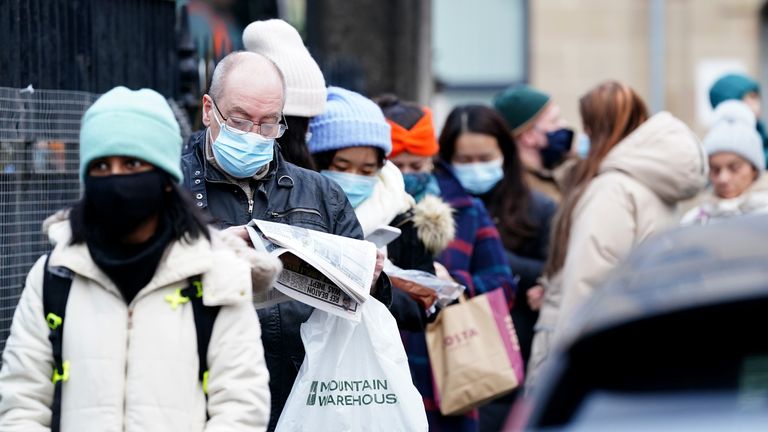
point(325, 271)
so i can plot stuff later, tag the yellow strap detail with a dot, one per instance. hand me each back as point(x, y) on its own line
point(205, 382)
point(54, 321)
point(176, 299)
point(64, 375)
point(199, 286)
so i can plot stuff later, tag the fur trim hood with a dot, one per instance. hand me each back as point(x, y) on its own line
point(433, 219)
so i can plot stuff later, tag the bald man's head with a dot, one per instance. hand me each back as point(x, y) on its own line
point(245, 85)
point(243, 64)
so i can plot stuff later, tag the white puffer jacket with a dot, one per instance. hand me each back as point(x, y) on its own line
point(135, 367)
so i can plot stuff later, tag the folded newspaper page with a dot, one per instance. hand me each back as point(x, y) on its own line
point(325, 271)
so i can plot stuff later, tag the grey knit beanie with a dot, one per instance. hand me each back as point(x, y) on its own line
point(734, 131)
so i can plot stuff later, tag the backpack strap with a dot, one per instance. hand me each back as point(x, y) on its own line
point(205, 316)
point(56, 286)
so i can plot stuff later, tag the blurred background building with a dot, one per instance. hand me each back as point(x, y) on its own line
point(59, 55)
point(671, 51)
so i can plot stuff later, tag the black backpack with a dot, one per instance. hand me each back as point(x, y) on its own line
point(57, 282)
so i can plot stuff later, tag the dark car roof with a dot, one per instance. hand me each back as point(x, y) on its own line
point(683, 268)
point(684, 312)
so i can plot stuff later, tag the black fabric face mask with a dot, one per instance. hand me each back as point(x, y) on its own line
point(559, 143)
point(116, 205)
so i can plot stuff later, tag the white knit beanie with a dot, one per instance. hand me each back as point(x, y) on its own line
point(280, 42)
point(734, 130)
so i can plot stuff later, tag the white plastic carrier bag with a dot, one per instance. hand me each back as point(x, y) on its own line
point(355, 377)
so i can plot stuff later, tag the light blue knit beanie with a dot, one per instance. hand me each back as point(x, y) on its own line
point(139, 124)
point(349, 120)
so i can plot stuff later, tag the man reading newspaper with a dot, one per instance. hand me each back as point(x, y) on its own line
point(242, 112)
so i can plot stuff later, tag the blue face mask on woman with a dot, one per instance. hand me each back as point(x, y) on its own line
point(241, 155)
point(479, 177)
point(583, 144)
point(357, 187)
point(419, 185)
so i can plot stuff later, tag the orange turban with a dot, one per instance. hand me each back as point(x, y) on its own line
point(419, 140)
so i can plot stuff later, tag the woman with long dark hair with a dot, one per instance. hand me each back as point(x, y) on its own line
point(476, 141)
point(160, 331)
point(638, 169)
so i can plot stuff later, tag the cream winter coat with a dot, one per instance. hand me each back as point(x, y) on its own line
point(634, 195)
point(134, 367)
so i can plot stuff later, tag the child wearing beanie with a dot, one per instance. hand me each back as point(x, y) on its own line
point(737, 164)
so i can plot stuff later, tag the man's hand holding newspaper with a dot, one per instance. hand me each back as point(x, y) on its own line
point(325, 271)
point(380, 258)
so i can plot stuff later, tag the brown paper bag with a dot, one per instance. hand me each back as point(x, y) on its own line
point(474, 353)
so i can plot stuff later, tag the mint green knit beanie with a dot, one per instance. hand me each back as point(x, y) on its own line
point(519, 105)
point(138, 124)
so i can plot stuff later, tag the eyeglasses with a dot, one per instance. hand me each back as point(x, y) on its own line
point(242, 126)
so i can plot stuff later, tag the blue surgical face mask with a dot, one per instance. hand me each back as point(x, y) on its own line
point(357, 187)
point(583, 144)
point(419, 185)
point(241, 155)
point(479, 177)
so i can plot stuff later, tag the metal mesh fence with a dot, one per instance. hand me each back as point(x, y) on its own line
point(38, 176)
point(89, 45)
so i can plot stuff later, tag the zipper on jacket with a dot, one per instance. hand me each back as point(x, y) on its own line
point(296, 210)
point(129, 326)
point(250, 206)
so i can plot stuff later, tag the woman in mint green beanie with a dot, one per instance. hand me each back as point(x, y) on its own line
point(159, 331)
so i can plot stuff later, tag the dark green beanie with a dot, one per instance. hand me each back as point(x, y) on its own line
point(519, 105)
point(732, 86)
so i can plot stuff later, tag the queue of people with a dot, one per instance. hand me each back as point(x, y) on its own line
point(152, 271)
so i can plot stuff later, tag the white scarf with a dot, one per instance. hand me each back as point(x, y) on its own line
point(388, 200)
